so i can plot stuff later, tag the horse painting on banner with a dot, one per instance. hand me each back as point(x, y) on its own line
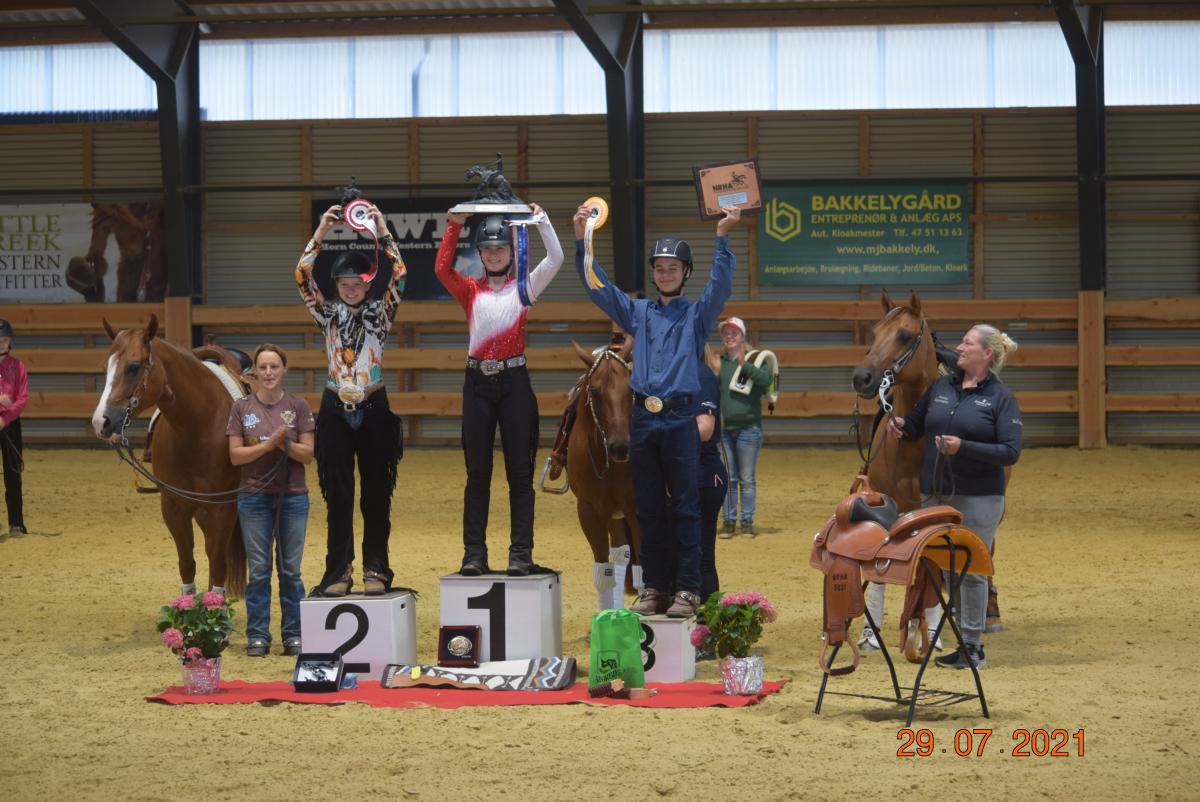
point(600, 474)
point(191, 451)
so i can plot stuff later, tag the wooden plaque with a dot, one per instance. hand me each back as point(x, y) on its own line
point(728, 184)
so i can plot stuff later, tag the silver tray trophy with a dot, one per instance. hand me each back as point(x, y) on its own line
point(494, 194)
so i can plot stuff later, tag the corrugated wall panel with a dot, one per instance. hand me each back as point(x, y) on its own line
point(674, 147)
point(370, 153)
point(447, 150)
point(808, 147)
point(1029, 145)
point(925, 146)
point(570, 150)
point(1149, 259)
point(1153, 142)
point(1031, 260)
point(126, 158)
point(44, 158)
point(244, 265)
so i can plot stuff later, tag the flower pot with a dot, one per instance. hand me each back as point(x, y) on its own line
point(742, 676)
point(202, 676)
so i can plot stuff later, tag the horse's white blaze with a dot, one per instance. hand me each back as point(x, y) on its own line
point(98, 415)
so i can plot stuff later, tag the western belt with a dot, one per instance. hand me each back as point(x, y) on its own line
point(490, 367)
point(656, 404)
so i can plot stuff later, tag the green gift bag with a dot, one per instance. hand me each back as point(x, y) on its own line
point(616, 649)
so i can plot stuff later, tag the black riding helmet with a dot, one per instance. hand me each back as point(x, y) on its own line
point(5, 328)
point(494, 230)
point(349, 264)
point(674, 248)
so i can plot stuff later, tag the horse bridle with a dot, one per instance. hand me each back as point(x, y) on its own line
point(885, 386)
point(125, 452)
point(607, 353)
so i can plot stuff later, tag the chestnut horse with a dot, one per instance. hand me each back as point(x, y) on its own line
point(600, 474)
point(904, 357)
point(191, 451)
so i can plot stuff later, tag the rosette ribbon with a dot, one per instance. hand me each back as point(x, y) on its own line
point(358, 216)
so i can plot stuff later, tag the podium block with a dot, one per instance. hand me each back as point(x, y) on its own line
point(369, 632)
point(519, 617)
point(667, 651)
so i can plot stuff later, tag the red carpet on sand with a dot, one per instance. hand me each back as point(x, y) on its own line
point(670, 695)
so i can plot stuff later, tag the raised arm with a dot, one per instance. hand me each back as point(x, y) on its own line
point(541, 276)
point(452, 280)
point(611, 300)
point(720, 281)
point(310, 293)
point(391, 300)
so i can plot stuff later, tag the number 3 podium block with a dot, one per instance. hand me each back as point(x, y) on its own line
point(667, 651)
point(369, 632)
point(519, 617)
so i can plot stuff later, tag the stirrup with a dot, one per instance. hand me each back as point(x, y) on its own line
point(561, 489)
point(825, 660)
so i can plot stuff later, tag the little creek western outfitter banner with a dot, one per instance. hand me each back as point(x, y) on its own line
point(865, 234)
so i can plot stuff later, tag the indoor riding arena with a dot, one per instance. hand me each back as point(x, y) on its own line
point(892, 179)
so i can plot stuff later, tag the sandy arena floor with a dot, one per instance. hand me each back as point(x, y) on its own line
point(1096, 565)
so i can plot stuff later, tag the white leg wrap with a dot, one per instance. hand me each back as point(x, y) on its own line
point(603, 579)
point(638, 582)
point(218, 589)
point(187, 590)
point(875, 602)
point(620, 562)
point(933, 617)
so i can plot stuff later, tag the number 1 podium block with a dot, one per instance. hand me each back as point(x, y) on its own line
point(519, 617)
point(369, 632)
point(667, 651)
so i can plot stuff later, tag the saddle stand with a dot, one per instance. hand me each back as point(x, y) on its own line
point(867, 540)
point(954, 580)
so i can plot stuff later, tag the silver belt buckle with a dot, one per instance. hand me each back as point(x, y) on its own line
point(653, 403)
point(490, 367)
point(351, 395)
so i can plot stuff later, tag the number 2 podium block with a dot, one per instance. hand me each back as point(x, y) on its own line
point(369, 632)
point(667, 651)
point(519, 617)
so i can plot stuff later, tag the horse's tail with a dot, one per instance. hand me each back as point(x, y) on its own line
point(235, 561)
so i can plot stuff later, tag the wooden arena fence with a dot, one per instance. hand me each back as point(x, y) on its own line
point(1090, 313)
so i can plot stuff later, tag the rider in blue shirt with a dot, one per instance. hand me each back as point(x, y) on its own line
point(668, 341)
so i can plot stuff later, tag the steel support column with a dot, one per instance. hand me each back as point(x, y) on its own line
point(169, 54)
point(1083, 28)
point(615, 41)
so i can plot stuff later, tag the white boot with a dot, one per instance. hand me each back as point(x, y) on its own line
point(619, 556)
point(875, 598)
point(602, 578)
point(933, 617)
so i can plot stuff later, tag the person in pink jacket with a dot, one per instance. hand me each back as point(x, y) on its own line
point(14, 395)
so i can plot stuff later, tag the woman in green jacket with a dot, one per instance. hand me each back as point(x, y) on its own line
point(741, 431)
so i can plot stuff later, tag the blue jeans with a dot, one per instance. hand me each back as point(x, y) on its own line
point(664, 450)
point(740, 448)
point(256, 512)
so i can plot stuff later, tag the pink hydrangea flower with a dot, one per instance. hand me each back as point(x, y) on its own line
point(193, 653)
point(699, 634)
point(750, 597)
point(173, 638)
point(212, 600)
point(184, 603)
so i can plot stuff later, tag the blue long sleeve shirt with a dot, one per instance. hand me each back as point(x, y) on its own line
point(668, 339)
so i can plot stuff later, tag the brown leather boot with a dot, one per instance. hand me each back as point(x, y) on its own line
point(685, 605)
point(650, 602)
point(374, 583)
point(343, 585)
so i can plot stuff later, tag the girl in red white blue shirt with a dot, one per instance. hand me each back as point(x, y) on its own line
point(496, 391)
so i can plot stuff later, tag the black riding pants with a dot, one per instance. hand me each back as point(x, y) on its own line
point(377, 445)
point(505, 400)
point(14, 463)
point(713, 480)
